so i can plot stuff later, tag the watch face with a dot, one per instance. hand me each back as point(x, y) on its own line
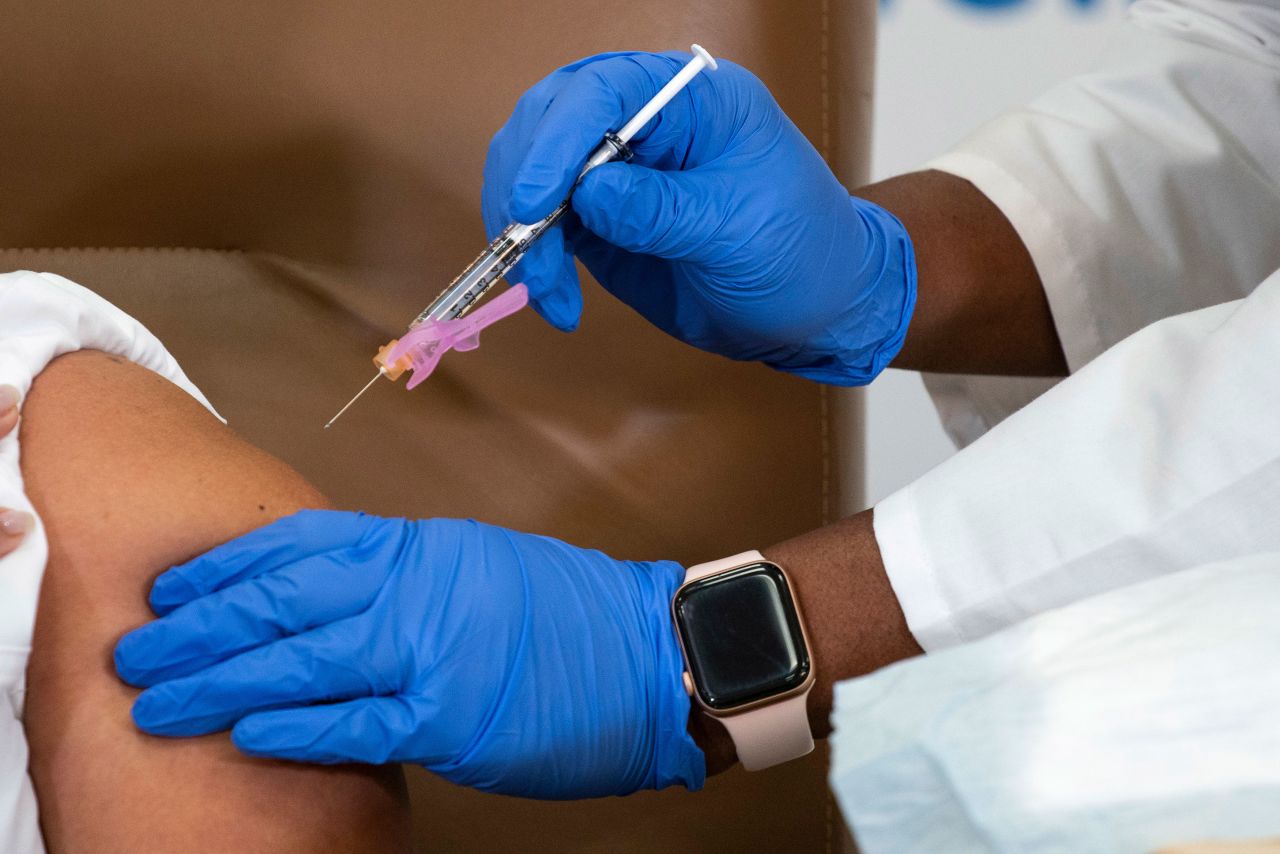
point(742, 636)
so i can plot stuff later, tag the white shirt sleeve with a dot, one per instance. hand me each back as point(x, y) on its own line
point(1161, 454)
point(1147, 188)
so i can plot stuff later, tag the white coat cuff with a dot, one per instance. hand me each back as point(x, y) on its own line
point(1064, 285)
point(911, 572)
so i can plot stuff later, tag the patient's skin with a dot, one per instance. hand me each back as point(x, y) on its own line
point(130, 476)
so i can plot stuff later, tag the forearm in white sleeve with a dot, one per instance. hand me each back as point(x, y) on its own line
point(1146, 188)
point(1162, 454)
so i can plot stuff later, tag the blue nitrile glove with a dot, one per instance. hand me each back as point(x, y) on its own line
point(503, 661)
point(726, 230)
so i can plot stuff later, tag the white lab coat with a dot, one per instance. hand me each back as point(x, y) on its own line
point(1146, 189)
point(1148, 195)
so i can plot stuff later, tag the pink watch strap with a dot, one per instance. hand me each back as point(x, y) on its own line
point(702, 570)
point(766, 735)
point(773, 734)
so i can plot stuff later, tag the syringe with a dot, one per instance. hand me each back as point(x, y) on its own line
point(510, 245)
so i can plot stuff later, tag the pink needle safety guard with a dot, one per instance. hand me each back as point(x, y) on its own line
point(419, 350)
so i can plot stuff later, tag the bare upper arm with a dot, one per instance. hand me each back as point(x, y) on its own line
point(131, 476)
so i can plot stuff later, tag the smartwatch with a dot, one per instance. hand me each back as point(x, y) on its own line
point(746, 655)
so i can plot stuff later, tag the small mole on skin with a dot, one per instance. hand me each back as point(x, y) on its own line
point(262, 507)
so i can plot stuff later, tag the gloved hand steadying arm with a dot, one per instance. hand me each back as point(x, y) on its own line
point(503, 661)
point(726, 230)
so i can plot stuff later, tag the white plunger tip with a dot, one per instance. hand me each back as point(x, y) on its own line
point(700, 51)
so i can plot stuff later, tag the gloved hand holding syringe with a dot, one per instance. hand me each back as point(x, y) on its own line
point(430, 332)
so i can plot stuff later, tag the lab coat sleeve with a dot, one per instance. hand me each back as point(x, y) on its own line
point(1161, 454)
point(1144, 189)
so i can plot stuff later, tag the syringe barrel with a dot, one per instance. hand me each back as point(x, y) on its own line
point(480, 275)
point(509, 247)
